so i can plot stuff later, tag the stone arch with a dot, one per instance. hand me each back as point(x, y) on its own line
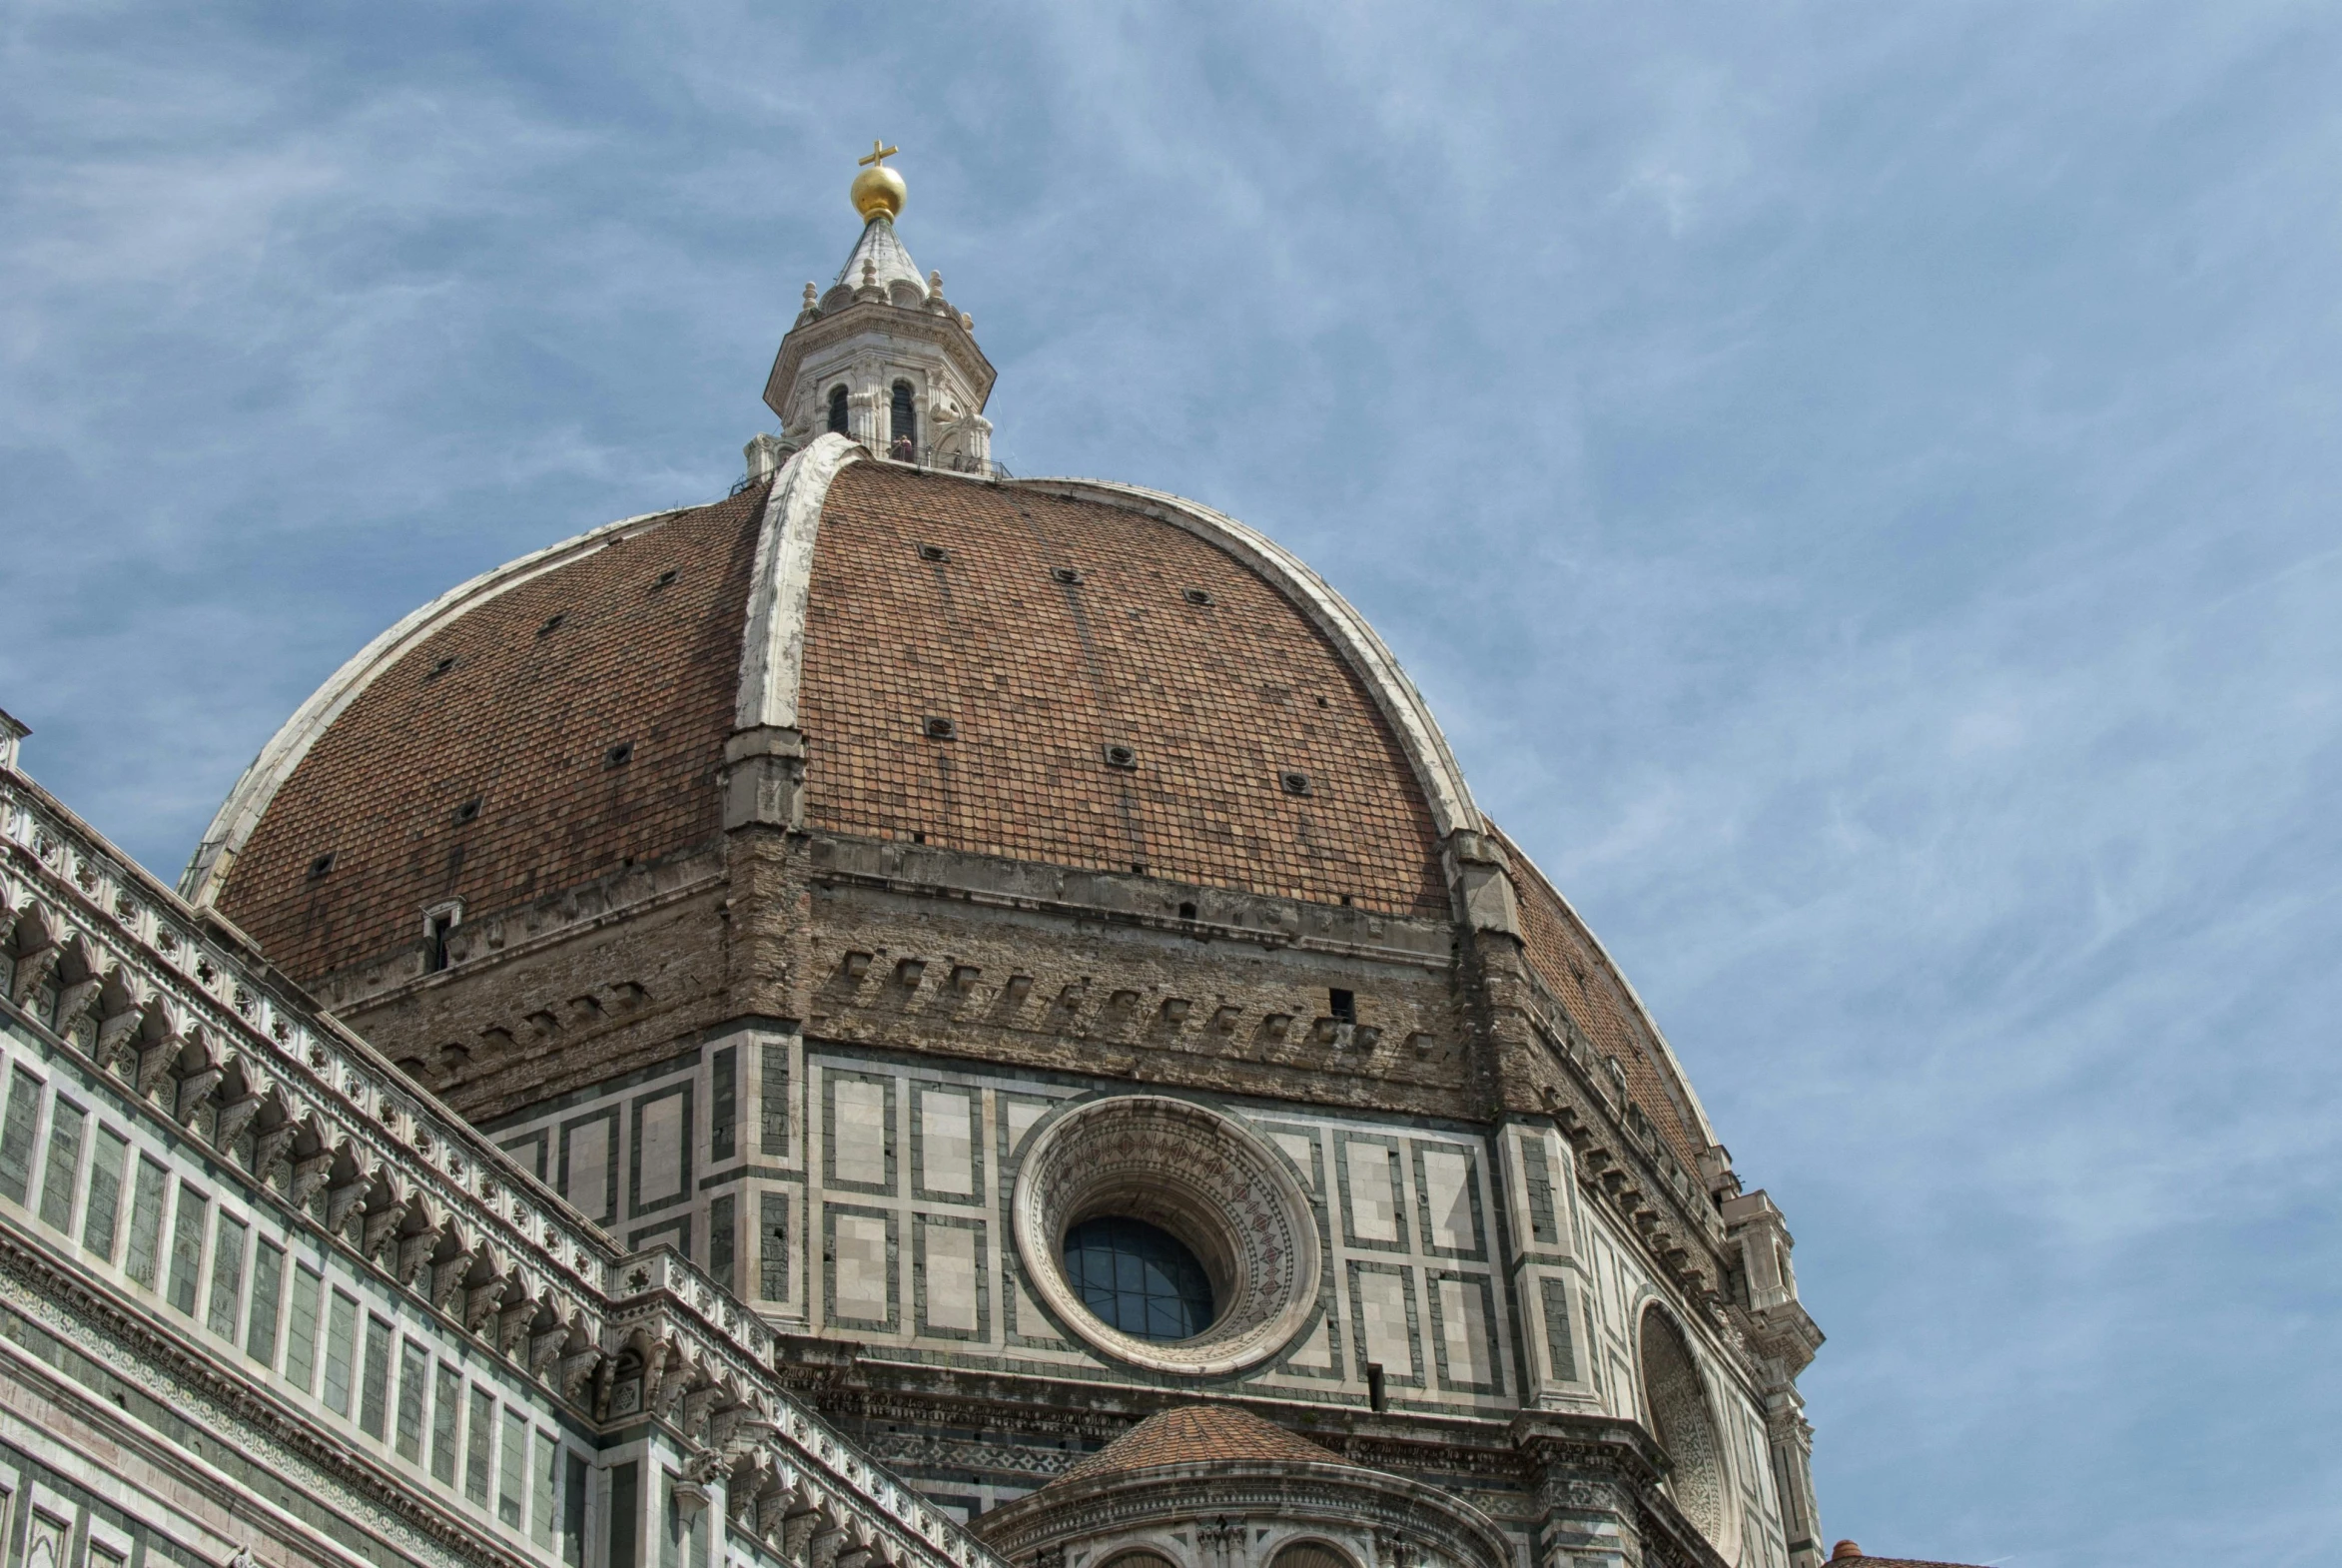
point(1140, 1557)
point(1675, 1403)
point(1311, 1552)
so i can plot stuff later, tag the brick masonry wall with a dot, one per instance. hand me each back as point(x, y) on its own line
point(522, 722)
point(507, 1033)
point(1037, 676)
point(1141, 1004)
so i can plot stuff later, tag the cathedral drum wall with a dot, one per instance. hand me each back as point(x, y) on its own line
point(599, 987)
point(1205, 989)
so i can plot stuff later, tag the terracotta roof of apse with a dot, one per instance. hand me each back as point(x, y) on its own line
point(1199, 1434)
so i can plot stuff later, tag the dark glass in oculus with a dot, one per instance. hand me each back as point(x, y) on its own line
point(1138, 1278)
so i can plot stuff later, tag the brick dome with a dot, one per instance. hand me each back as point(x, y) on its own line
point(1021, 669)
point(1060, 672)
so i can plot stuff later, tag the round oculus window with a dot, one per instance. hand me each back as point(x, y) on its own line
point(1138, 1278)
point(1166, 1235)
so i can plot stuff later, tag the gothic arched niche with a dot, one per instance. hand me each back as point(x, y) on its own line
point(1678, 1406)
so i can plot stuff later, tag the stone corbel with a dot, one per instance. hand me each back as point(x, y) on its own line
point(116, 1033)
point(513, 1324)
point(34, 968)
point(415, 1257)
point(269, 1144)
point(234, 1117)
point(673, 1378)
point(797, 1528)
point(382, 1225)
point(741, 1491)
point(723, 1427)
point(772, 1513)
point(606, 1382)
point(479, 1302)
point(307, 1176)
point(155, 1059)
point(76, 1000)
point(1482, 881)
point(577, 1368)
point(447, 1278)
point(545, 1347)
point(764, 778)
point(193, 1089)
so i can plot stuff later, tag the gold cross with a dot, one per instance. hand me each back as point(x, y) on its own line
point(879, 153)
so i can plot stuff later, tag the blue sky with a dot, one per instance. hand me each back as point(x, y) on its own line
point(1858, 484)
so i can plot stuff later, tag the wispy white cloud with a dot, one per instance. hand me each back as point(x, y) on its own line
point(1856, 485)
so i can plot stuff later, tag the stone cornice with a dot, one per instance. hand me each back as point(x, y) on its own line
point(1110, 898)
point(831, 326)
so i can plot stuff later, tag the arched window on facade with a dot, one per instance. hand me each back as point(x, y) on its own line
point(837, 411)
point(1309, 1554)
point(904, 435)
point(1139, 1558)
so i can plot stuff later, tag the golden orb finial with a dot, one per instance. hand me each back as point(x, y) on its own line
point(878, 191)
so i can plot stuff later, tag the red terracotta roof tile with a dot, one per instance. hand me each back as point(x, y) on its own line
point(522, 721)
point(1199, 1434)
point(1039, 676)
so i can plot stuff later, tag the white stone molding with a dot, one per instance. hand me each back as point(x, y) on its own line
point(1202, 1177)
point(1402, 706)
point(772, 652)
point(232, 827)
